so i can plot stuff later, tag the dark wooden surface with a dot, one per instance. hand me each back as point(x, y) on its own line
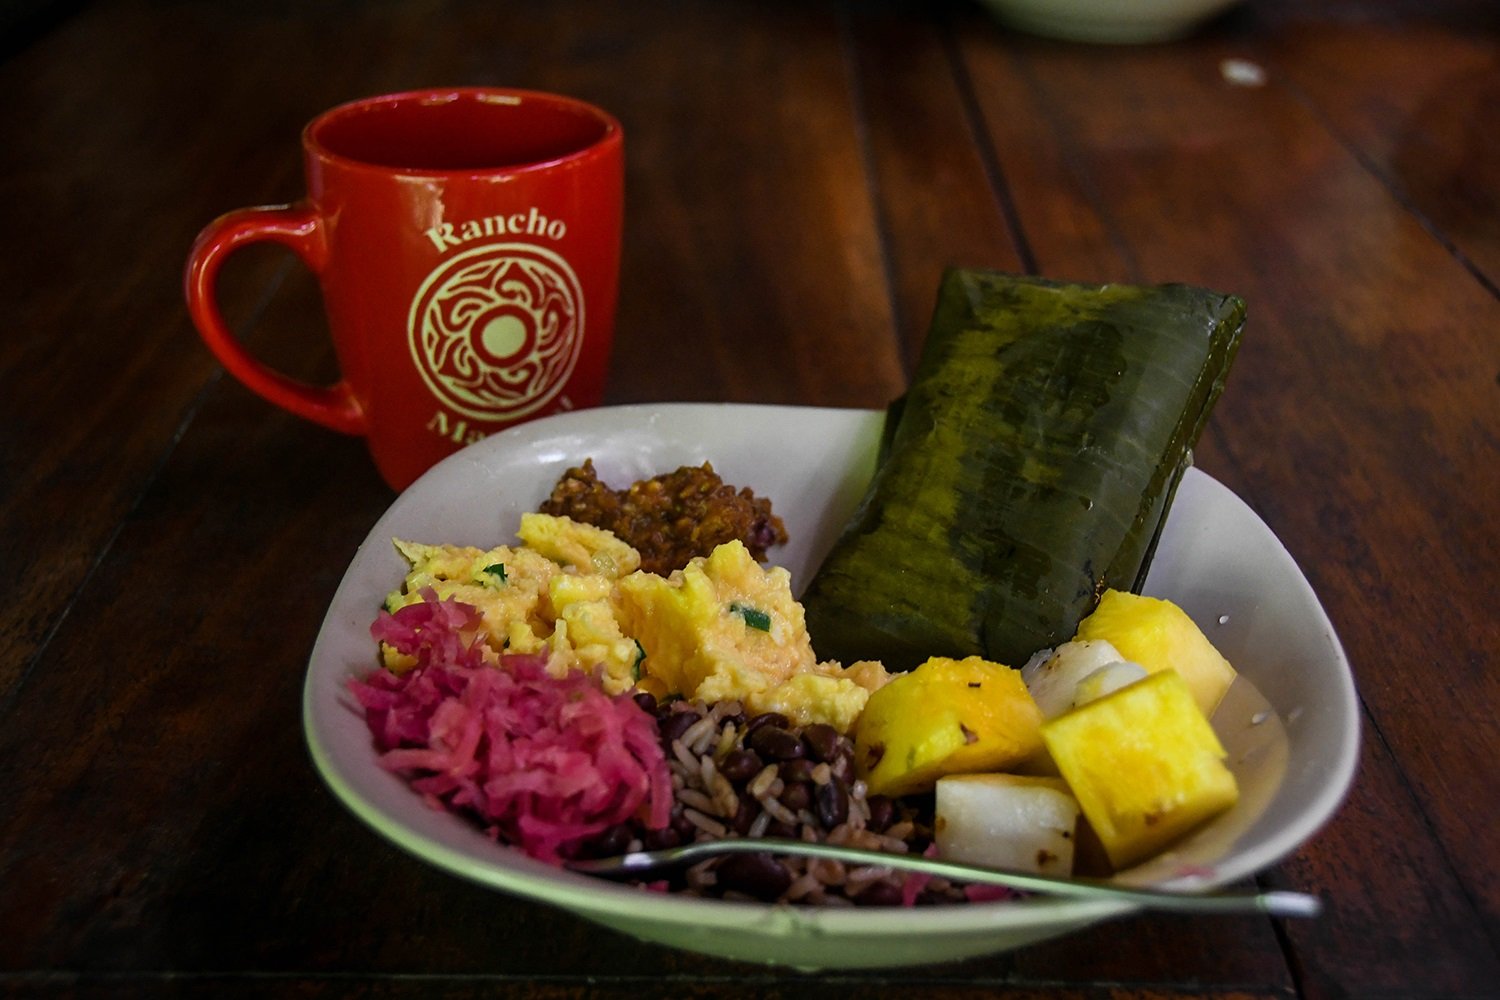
point(799, 173)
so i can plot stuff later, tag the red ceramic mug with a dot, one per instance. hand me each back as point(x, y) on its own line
point(467, 244)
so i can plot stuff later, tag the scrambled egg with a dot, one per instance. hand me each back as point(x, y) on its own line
point(551, 594)
point(721, 629)
point(724, 628)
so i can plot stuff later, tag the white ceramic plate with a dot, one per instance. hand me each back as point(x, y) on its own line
point(1292, 730)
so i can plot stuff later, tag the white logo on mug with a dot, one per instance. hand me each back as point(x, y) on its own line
point(496, 330)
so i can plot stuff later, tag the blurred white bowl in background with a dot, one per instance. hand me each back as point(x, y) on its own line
point(1114, 21)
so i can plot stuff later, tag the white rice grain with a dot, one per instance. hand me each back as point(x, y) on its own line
point(827, 871)
point(688, 760)
point(863, 875)
point(760, 785)
point(700, 734)
point(707, 824)
point(691, 798)
point(729, 738)
point(801, 887)
point(779, 811)
point(900, 831)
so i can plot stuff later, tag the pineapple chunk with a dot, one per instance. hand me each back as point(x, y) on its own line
point(945, 717)
point(1006, 821)
point(1144, 764)
point(1068, 676)
point(1159, 635)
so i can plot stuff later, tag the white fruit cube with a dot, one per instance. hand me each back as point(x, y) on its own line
point(1007, 821)
point(1107, 680)
point(1053, 680)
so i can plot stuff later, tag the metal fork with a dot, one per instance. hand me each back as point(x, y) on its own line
point(1274, 903)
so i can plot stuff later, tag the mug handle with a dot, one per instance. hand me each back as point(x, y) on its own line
point(294, 226)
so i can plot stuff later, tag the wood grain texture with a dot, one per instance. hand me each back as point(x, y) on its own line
point(1354, 322)
point(798, 176)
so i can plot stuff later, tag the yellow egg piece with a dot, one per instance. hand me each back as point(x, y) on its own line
point(813, 698)
point(582, 548)
point(506, 585)
point(721, 628)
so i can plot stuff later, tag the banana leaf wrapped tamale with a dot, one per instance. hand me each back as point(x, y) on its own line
point(1029, 467)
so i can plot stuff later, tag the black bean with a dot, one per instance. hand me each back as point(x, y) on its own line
point(776, 743)
point(744, 815)
point(832, 802)
point(741, 765)
point(796, 769)
point(882, 812)
point(609, 843)
point(798, 796)
point(685, 827)
point(780, 829)
point(674, 725)
point(766, 719)
point(759, 875)
point(646, 700)
point(655, 840)
point(879, 894)
point(822, 741)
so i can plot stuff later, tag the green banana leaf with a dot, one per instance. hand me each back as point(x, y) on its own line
point(1029, 467)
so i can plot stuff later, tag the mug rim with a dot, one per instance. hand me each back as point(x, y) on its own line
point(611, 134)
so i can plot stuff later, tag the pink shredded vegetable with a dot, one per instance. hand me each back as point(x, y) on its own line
point(989, 893)
point(913, 883)
point(544, 764)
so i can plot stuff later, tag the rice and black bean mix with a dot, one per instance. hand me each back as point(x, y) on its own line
point(757, 776)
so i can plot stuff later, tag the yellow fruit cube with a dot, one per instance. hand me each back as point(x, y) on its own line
point(945, 717)
point(1144, 764)
point(1159, 636)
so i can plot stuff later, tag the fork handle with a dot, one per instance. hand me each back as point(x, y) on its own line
point(1275, 903)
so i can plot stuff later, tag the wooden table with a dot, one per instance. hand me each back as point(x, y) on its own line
point(799, 174)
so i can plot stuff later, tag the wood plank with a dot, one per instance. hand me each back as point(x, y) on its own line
point(1365, 328)
point(926, 216)
point(754, 984)
point(251, 515)
point(98, 401)
point(749, 236)
point(1416, 101)
point(798, 176)
point(941, 201)
point(690, 252)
